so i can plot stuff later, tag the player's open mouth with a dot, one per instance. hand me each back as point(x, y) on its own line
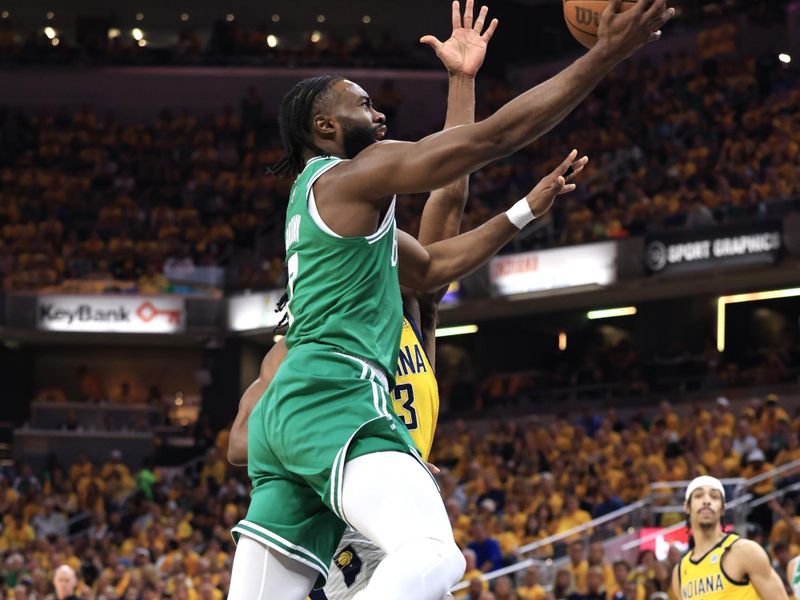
point(380, 132)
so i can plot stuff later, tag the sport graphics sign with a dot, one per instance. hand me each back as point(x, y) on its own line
point(711, 247)
point(587, 264)
point(111, 314)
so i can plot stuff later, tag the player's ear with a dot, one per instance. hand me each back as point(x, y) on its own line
point(323, 125)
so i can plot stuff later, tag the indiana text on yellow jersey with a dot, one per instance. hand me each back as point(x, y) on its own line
point(705, 578)
point(416, 395)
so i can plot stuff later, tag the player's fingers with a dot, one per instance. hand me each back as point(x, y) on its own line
point(487, 35)
point(564, 166)
point(456, 15)
point(481, 19)
point(577, 167)
point(664, 18)
point(613, 6)
point(431, 41)
point(656, 10)
point(433, 468)
point(468, 9)
point(570, 187)
point(655, 36)
point(640, 7)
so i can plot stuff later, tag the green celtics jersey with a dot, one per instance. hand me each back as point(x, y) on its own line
point(343, 291)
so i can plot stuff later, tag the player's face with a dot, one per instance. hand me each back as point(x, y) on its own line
point(706, 507)
point(361, 124)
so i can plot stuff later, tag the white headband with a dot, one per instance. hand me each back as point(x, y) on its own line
point(704, 481)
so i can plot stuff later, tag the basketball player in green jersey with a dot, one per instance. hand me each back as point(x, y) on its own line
point(323, 447)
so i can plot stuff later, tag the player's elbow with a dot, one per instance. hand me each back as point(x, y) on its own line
point(237, 456)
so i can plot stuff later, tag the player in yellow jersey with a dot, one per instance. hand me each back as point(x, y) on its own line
point(719, 565)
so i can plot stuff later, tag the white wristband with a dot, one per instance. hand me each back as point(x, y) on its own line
point(520, 214)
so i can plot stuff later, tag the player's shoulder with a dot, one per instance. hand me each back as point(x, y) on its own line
point(746, 551)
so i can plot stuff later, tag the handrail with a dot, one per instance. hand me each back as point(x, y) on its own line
point(737, 482)
point(557, 537)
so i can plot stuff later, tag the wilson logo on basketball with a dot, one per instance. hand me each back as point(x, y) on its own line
point(586, 16)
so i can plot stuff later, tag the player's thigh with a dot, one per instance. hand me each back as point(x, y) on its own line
point(262, 573)
point(289, 517)
point(391, 498)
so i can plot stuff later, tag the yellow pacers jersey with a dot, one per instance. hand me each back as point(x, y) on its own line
point(705, 579)
point(416, 395)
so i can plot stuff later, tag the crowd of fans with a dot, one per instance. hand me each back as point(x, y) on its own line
point(681, 142)
point(602, 368)
point(156, 533)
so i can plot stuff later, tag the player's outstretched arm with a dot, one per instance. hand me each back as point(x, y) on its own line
point(462, 54)
point(759, 570)
point(237, 442)
point(388, 168)
point(428, 268)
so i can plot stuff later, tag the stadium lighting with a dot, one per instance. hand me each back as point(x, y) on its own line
point(142, 43)
point(230, 17)
point(50, 15)
point(137, 34)
point(609, 313)
point(50, 32)
point(184, 17)
point(320, 18)
point(315, 37)
point(55, 41)
point(275, 18)
point(457, 330)
point(140, 16)
point(562, 340)
point(366, 19)
point(114, 33)
point(723, 301)
point(272, 41)
point(5, 14)
point(784, 58)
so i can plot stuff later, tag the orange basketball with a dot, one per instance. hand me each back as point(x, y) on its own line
point(583, 18)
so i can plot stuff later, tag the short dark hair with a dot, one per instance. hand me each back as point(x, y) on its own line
point(295, 123)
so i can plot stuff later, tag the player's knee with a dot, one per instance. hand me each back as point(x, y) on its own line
point(447, 557)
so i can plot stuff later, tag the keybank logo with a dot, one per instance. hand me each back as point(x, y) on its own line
point(133, 314)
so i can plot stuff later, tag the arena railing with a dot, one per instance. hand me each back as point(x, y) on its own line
point(639, 512)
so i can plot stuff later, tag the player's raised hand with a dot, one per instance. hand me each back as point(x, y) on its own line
point(463, 52)
point(541, 198)
point(621, 34)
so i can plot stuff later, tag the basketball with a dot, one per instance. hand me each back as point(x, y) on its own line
point(583, 18)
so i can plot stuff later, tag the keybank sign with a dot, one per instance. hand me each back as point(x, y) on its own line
point(103, 314)
point(722, 246)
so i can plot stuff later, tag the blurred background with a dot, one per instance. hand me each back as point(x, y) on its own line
point(645, 332)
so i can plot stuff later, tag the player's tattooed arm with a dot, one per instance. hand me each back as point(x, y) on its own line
point(428, 268)
point(462, 54)
point(237, 441)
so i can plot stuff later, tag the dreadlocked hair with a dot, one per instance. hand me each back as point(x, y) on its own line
point(283, 324)
point(295, 124)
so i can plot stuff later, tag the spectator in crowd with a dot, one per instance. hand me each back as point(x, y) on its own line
point(65, 582)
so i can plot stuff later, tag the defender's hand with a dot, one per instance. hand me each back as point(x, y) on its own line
point(541, 198)
point(464, 51)
point(621, 34)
